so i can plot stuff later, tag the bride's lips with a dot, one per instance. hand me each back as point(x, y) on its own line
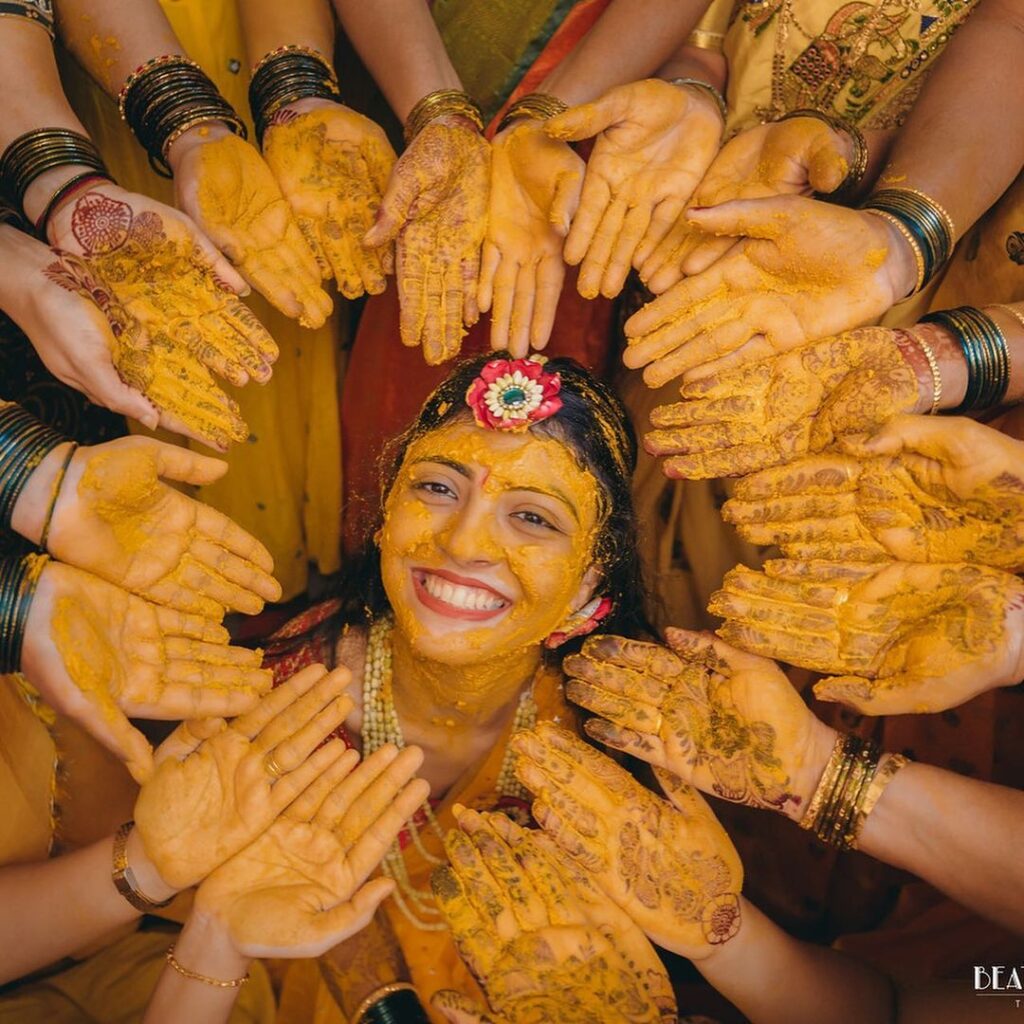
point(457, 597)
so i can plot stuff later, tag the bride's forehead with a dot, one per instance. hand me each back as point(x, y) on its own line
point(484, 449)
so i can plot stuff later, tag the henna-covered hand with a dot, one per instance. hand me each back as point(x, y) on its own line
point(227, 188)
point(333, 165)
point(211, 792)
point(543, 942)
point(654, 142)
point(99, 655)
point(435, 210)
point(951, 490)
point(670, 866)
point(727, 722)
point(170, 299)
point(300, 887)
point(116, 518)
point(798, 156)
point(900, 639)
point(806, 269)
point(736, 421)
point(535, 189)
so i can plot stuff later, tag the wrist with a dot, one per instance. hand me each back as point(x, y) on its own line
point(808, 776)
point(949, 358)
point(200, 134)
point(30, 508)
point(900, 267)
point(37, 195)
point(150, 881)
point(204, 946)
point(705, 97)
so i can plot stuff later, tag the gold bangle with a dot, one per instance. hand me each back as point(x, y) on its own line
point(442, 103)
point(911, 241)
point(708, 89)
point(123, 877)
point(377, 995)
point(537, 105)
point(937, 206)
point(1017, 314)
point(205, 979)
point(883, 776)
point(933, 365)
point(706, 40)
point(825, 783)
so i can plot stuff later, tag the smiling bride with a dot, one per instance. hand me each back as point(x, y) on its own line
point(505, 535)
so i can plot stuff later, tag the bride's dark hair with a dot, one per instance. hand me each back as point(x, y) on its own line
point(593, 424)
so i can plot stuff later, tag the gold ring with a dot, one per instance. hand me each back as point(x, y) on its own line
point(656, 730)
point(270, 763)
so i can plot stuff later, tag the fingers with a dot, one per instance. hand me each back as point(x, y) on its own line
point(754, 218)
point(291, 785)
point(489, 262)
point(306, 806)
point(290, 753)
point(587, 119)
point(550, 278)
point(277, 701)
point(105, 388)
point(624, 711)
point(491, 897)
point(231, 694)
point(395, 205)
point(477, 944)
point(457, 1008)
point(620, 260)
point(217, 528)
point(641, 745)
point(238, 572)
point(361, 798)
point(174, 462)
point(352, 916)
point(381, 833)
point(565, 201)
point(173, 623)
point(304, 708)
point(522, 312)
point(594, 200)
point(599, 252)
point(663, 217)
point(895, 695)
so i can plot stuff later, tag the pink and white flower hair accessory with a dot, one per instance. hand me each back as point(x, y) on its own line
point(513, 394)
point(585, 621)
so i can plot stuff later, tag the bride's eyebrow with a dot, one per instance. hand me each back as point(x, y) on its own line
point(458, 467)
point(553, 493)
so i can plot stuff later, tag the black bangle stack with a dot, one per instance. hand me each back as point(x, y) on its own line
point(167, 96)
point(926, 224)
point(285, 75)
point(401, 1007)
point(985, 353)
point(39, 12)
point(39, 151)
point(24, 443)
point(18, 580)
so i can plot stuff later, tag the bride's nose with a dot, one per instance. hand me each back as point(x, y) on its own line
point(469, 537)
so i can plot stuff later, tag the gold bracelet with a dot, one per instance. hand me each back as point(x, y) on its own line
point(883, 776)
point(442, 103)
point(938, 207)
point(911, 241)
point(123, 877)
point(703, 39)
point(377, 995)
point(537, 105)
point(933, 365)
point(825, 783)
point(707, 88)
point(858, 166)
point(1017, 314)
point(205, 979)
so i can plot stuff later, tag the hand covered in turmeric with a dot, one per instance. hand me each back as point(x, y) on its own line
point(333, 165)
point(230, 192)
point(798, 156)
point(736, 421)
point(100, 655)
point(115, 518)
point(300, 888)
point(806, 270)
point(896, 639)
point(727, 722)
point(170, 299)
point(670, 866)
point(948, 490)
point(654, 142)
point(544, 943)
point(535, 188)
point(435, 210)
point(212, 791)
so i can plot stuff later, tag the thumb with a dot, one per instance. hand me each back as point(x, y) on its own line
point(826, 166)
point(565, 201)
point(395, 207)
point(108, 390)
point(586, 120)
point(346, 919)
point(187, 738)
point(853, 691)
point(686, 800)
point(173, 462)
point(121, 738)
point(930, 435)
point(755, 218)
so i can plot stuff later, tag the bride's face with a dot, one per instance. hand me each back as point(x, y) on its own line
point(487, 541)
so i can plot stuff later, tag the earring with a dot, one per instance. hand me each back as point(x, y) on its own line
point(580, 623)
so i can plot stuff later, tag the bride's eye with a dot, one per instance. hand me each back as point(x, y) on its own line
point(535, 519)
point(434, 487)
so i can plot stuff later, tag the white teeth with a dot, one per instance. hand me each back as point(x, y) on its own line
point(458, 596)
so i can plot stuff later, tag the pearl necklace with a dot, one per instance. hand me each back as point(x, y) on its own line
point(380, 726)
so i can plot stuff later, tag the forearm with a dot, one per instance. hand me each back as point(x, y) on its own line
point(631, 40)
point(962, 836)
point(268, 24)
point(203, 947)
point(695, 62)
point(963, 143)
point(54, 907)
point(400, 45)
point(749, 971)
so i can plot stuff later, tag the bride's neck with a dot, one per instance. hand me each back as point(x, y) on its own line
point(459, 698)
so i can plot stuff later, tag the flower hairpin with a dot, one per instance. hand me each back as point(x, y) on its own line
point(513, 394)
point(583, 622)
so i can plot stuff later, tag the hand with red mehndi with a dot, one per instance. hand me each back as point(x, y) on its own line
point(669, 865)
point(101, 655)
point(923, 489)
point(332, 165)
point(535, 189)
point(806, 270)
point(228, 189)
point(895, 639)
point(211, 792)
point(735, 421)
point(435, 211)
point(726, 722)
point(116, 518)
point(798, 156)
point(654, 141)
point(542, 940)
point(300, 887)
point(170, 299)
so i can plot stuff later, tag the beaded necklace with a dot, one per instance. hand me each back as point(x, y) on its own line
point(380, 726)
